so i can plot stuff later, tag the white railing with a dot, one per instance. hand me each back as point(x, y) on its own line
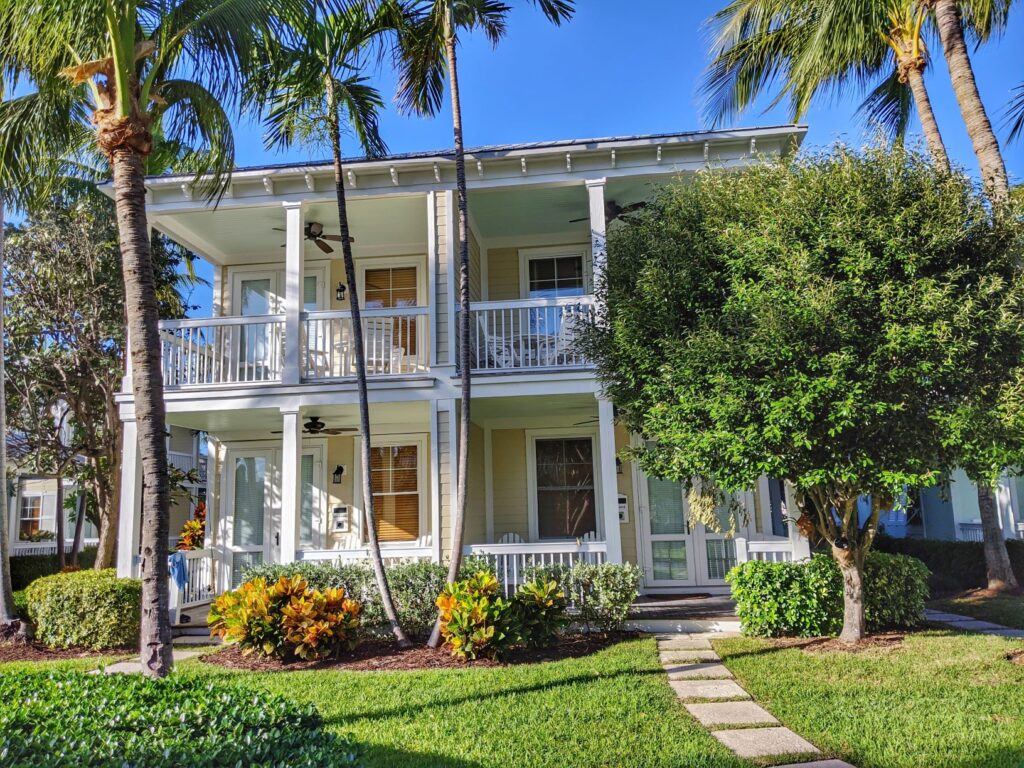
point(46, 548)
point(528, 334)
point(222, 350)
point(971, 532)
point(186, 462)
point(512, 561)
point(199, 587)
point(390, 554)
point(395, 342)
point(772, 551)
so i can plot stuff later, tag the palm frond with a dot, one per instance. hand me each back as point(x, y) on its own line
point(888, 107)
point(1014, 114)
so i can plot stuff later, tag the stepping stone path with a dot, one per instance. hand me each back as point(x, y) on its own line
point(134, 667)
point(719, 703)
point(971, 624)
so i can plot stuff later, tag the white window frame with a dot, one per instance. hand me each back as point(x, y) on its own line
point(393, 262)
point(314, 268)
point(556, 433)
point(46, 523)
point(421, 441)
point(526, 255)
point(318, 447)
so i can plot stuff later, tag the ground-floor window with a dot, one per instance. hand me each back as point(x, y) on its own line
point(566, 499)
point(35, 520)
point(396, 491)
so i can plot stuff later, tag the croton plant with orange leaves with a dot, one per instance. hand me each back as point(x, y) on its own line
point(287, 619)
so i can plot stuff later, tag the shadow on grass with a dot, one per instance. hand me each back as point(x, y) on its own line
point(386, 757)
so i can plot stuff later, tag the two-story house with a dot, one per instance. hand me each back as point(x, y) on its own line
point(270, 376)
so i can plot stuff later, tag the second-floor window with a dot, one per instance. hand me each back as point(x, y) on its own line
point(552, 277)
point(389, 287)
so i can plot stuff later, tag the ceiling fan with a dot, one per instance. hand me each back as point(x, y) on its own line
point(317, 427)
point(314, 231)
point(612, 210)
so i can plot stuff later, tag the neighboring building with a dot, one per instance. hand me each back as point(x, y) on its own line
point(270, 377)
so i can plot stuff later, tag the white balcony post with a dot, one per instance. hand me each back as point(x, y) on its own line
point(609, 483)
point(598, 227)
point(291, 488)
point(129, 523)
point(293, 283)
point(801, 547)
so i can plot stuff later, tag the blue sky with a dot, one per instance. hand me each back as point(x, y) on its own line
point(627, 68)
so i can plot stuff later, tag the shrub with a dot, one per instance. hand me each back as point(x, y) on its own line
point(20, 604)
point(955, 566)
point(475, 619)
point(806, 599)
point(27, 568)
point(539, 610)
point(414, 586)
point(603, 592)
point(287, 619)
point(89, 609)
point(108, 721)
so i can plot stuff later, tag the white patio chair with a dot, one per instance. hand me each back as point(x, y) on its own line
point(382, 354)
point(490, 351)
point(560, 350)
point(510, 538)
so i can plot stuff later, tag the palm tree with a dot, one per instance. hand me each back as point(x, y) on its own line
point(801, 49)
point(1015, 114)
point(428, 48)
point(982, 18)
point(140, 67)
point(316, 83)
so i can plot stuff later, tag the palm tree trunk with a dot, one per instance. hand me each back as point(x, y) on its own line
point(8, 613)
point(929, 125)
point(983, 138)
point(387, 602)
point(147, 385)
point(998, 569)
point(459, 521)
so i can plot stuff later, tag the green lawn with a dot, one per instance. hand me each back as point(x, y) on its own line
point(613, 708)
point(1001, 609)
point(943, 699)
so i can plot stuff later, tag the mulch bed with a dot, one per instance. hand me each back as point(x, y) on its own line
point(384, 655)
point(886, 641)
point(20, 651)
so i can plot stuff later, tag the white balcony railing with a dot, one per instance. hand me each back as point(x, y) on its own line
point(199, 587)
point(971, 532)
point(395, 342)
point(511, 562)
point(222, 350)
point(528, 334)
point(772, 550)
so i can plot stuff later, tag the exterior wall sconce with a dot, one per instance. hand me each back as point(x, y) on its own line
point(618, 466)
point(339, 292)
point(339, 472)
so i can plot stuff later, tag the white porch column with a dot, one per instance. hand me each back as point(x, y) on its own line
point(801, 547)
point(598, 226)
point(293, 283)
point(291, 487)
point(609, 483)
point(129, 516)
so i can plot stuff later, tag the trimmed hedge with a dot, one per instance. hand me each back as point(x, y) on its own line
point(27, 568)
point(955, 566)
point(66, 719)
point(806, 599)
point(87, 609)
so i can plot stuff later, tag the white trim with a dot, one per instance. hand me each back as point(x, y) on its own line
point(228, 549)
point(609, 481)
point(526, 255)
point(417, 261)
point(432, 274)
point(129, 526)
point(555, 433)
point(423, 490)
point(453, 466)
point(435, 485)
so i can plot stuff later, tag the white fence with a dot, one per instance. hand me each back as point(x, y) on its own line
point(199, 587)
point(528, 334)
point(772, 551)
point(512, 561)
point(971, 532)
point(47, 548)
point(395, 341)
point(390, 555)
point(222, 350)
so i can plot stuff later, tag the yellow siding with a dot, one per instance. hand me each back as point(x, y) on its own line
point(341, 450)
point(502, 274)
point(474, 268)
point(508, 458)
point(444, 464)
point(476, 506)
point(627, 531)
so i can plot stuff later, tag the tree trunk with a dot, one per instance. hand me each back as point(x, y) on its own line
point(929, 125)
point(8, 613)
point(465, 363)
point(107, 486)
point(854, 627)
point(998, 569)
point(143, 318)
point(370, 516)
point(983, 138)
point(58, 517)
point(76, 543)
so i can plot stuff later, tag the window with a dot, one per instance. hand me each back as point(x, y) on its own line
point(396, 495)
point(306, 508)
point(566, 501)
point(555, 276)
point(32, 520)
point(390, 287)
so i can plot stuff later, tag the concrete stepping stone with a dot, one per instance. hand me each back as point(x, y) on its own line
point(698, 671)
point(765, 742)
point(1006, 632)
point(818, 764)
point(196, 640)
point(675, 657)
point(707, 689)
point(975, 625)
point(944, 617)
point(730, 713)
point(684, 644)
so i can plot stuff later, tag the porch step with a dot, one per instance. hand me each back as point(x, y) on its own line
point(190, 630)
point(720, 627)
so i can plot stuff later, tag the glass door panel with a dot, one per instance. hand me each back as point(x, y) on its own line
point(250, 512)
point(667, 541)
point(255, 347)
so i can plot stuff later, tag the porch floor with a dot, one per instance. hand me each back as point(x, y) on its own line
point(689, 607)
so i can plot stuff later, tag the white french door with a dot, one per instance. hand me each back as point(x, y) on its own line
point(249, 510)
point(666, 539)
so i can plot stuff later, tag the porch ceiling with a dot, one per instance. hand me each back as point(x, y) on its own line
point(263, 421)
point(561, 408)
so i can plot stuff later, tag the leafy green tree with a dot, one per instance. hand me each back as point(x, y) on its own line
point(817, 320)
point(429, 48)
point(317, 84)
point(135, 69)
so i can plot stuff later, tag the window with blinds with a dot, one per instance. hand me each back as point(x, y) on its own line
point(396, 495)
point(306, 511)
point(392, 287)
point(250, 476)
point(566, 502)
